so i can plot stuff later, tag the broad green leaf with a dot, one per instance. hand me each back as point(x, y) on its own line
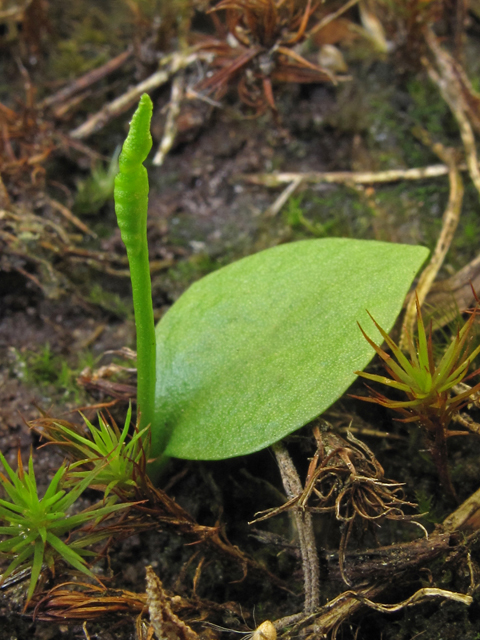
point(255, 350)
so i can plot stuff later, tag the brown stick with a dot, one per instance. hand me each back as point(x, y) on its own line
point(306, 537)
point(80, 84)
point(96, 122)
point(451, 218)
point(346, 177)
point(453, 92)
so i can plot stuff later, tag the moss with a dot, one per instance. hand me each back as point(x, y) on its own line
point(429, 109)
point(186, 272)
point(50, 371)
point(110, 302)
point(97, 188)
point(89, 36)
point(338, 212)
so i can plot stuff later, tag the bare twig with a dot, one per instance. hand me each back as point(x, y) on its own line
point(283, 197)
point(170, 131)
point(346, 177)
point(451, 218)
point(80, 84)
point(466, 517)
point(66, 213)
point(303, 520)
point(174, 63)
point(453, 89)
point(418, 597)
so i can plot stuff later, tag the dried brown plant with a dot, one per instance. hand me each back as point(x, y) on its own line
point(346, 479)
point(259, 49)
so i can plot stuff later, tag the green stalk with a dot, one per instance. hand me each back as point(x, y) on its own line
point(131, 205)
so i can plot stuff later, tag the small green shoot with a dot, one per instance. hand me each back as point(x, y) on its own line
point(34, 526)
point(131, 205)
point(118, 460)
point(296, 218)
point(428, 385)
point(97, 189)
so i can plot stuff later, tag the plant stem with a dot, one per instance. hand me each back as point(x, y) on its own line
point(439, 453)
point(306, 536)
point(144, 323)
point(131, 205)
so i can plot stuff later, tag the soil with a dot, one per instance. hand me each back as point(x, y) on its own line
point(203, 215)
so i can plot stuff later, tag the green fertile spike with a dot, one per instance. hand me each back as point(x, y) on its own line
point(139, 141)
point(131, 184)
point(131, 205)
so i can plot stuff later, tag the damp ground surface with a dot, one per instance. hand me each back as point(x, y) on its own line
point(203, 215)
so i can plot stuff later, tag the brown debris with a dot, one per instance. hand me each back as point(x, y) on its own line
point(450, 220)
point(76, 601)
point(57, 100)
point(304, 525)
point(166, 624)
point(345, 478)
point(265, 34)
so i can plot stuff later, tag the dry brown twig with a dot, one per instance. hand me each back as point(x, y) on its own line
point(303, 521)
point(79, 85)
point(170, 66)
point(460, 97)
point(463, 102)
point(71, 217)
point(450, 220)
point(457, 91)
point(170, 131)
point(273, 180)
point(293, 180)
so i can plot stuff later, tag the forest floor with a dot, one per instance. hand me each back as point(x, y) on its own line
point(65, 309)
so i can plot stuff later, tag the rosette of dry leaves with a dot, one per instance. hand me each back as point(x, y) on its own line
point(261, 49)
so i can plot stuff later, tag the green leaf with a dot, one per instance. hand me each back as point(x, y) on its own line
point(26, 553)
point(67, 554)
point(257, 349)
point(12, 543)
point(36, 567)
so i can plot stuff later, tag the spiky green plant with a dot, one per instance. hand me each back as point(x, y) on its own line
point(119, 460)
point(428, 385)
point(34, 526)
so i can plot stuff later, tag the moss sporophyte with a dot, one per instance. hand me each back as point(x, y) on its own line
point(256, 349)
